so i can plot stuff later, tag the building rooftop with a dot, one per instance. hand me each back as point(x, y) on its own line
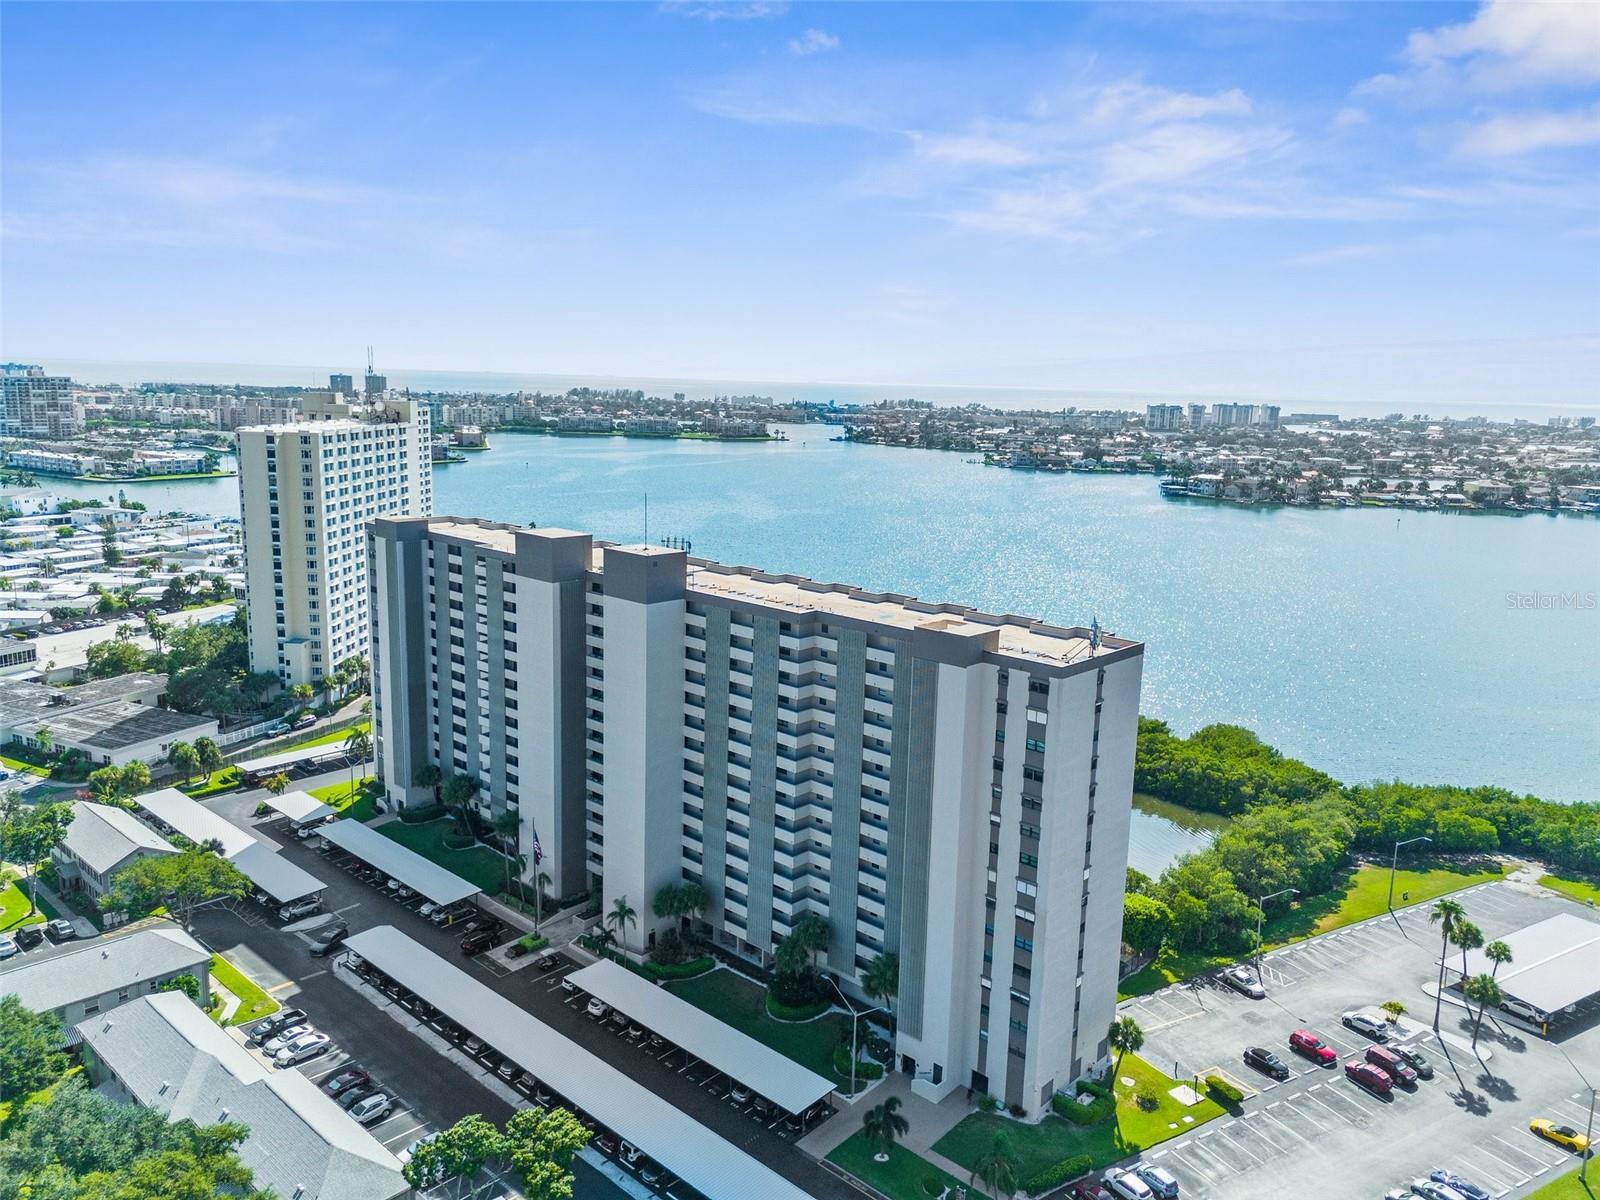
point(120, 723)
point(18, 700)
point(49, 979)
point(194, 820)
point(170, 1056)
point(102, 836)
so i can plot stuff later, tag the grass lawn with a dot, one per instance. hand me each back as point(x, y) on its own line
point(1043, 1145)
point(1363, 893)
point(1569, 1187)
point(16, 764)
point(221, 781)
point(476, 863)
point(738, 1002)
point(336, 735)
point(14, 909)
point(358, 802)
point(1576, 888)
point(900, 1178)
point(253, 1002)
point(40, 1097)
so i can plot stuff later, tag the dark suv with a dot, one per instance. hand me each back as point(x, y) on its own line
point(1265, 1060)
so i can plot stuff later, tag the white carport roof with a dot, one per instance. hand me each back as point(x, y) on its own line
point(299, 807)
point(393, 859)
point(706, 1162)
point(1553, 963)
point(284, 758)
point(737, 1055)
point(276, 875)
point(194, 820)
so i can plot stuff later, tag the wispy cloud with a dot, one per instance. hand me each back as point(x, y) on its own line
point(1523, 133)
point(725, 10)
point(1332, 255)
point(812, 41)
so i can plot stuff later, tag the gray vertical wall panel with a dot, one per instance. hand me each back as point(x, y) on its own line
point(845, 855)
point(763, 778)
point(918, 824)
point(900, 726)
point(715, 825)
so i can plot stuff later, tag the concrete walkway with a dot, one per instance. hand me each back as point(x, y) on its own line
point(929, 1122)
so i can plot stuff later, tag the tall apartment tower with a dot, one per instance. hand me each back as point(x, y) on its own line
point(36, 405)
point(307, 491)
point(946, 785)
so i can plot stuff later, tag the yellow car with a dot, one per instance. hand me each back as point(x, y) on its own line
point(1561, 1135)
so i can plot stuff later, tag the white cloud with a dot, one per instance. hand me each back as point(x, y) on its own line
point(1332, 255)
point(1521, 133)
point(813, 41)
point(1349, 117)
point(725, 10)
point(1512, 43)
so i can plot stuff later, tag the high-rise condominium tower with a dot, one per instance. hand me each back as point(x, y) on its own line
point(945, 785)
point(36, 405)
point(307, 491)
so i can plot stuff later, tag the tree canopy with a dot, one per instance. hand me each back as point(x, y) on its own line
point(31, 1049)
point(182, 882)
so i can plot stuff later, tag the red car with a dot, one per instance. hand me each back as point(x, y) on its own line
point(1392, 1065)
point(1305, 1042)
point(1372, 1078)
point(1088, 1189)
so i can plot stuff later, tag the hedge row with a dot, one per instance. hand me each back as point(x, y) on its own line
point(804, 1012)
point(1223, 1090)
point(1103, 1106)
point(865, 1069)
point(1054, 1177)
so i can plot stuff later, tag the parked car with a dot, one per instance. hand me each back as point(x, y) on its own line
point(8, 947)
point(1521, 1008)
point(1128, 1185)
point(328, 937)
point(606, 1143)
point(1460, 1184)
point(1367, 1024)
point(279, 1021)
point(517, 949)
point(548, 961)
point(597, 1008)
point(300, 908)
point(450, 913)
point(634, 1032)
point(357, 1094)
point(304, 721)
point(1392, 1065)
point(302, 1049)
point(1429, 1190)
point(477, 943)
point(651, 1173)
point(341, 1083)
point(306, 832)
point(1088, 1189)
point(1244, 981)
point(374, 1108)
point(1561, 1135)
point(1266, 1061)
point(61, 930)
point(1159, 1179)
point(1416, 1060)
point(474, 1046)
point(739, 1094)
point(277, 729)
point(631, 1154)
point(286, 1035)
point(28, 936)
point(1313, 1047)
point(1374, 1079)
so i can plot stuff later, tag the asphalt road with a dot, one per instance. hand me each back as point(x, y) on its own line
point(441, 1091)
point(1321, 1129)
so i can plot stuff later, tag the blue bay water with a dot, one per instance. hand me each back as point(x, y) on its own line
point(1371, 644)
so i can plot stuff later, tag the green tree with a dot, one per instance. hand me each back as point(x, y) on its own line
point(540, 1144)
point(182, 882)
point(507, 827)
point(184, 759)
point(32, 1049)
point(358, 745)
point(30, 833)
point(460, 792)
point(212, 759)
point(107, 660)
point(621, 916)
point(187, 984)
point(881, 980)
point(1483, 991)
point(882, 1125)
point(277, 783)
point(44, 739)
point(1498, 953)
point(996, 1168)
point(429, 776)
point(1465, 936)
point(1145, 921)
point(155, 628)
point(1444, 913)
point(301, 693)
point(1125, 1037)
point(457, 1152)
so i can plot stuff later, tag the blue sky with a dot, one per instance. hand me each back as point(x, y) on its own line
point(1382, 201)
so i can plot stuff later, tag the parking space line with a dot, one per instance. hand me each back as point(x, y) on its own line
point(1513, 1153)
point(1222, 1166)
point(1501, 1175)
point(1240, 1129)
point(1188, 1166)
point(1343, 1116)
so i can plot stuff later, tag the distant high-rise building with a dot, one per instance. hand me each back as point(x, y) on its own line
point(1163, 417)
point(342, 385)
point(1197, 415)
point(1266, 416)
point(307, 491)
point(1228, 415)
point(949, 786)
point(36, 405)
point(376, 385)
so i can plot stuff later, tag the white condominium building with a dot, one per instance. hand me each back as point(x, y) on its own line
point(36, 405)
point(947, 785)
point(307, 491)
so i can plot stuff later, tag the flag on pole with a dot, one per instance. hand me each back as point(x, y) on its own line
point(1094, 634)
point(538, 851)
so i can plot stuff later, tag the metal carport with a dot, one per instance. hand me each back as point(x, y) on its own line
point(397, 862)
point(1555, 963)
point(276, 875)
point(711, 1165)
point(777, 1077)
point(194, 820)
point(301, 808)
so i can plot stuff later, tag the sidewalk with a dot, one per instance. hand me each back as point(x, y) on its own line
point(929, 1122)
point(84, 926)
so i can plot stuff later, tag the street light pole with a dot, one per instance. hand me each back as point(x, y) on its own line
point(1261, 916)
point(1395, 862)
point(855, 1025)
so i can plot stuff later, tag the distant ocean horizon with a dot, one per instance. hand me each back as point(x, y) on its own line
point(133, 372)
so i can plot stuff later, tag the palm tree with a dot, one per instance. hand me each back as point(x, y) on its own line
point(1466, 936)
point(278, 784)
point(620, 917)
point(44, 739)
point(1484, 991)
point(1444, 913)
point(428, 776)
point(506, 827)
point(1499, 954)
point(881, 980)
point(1125, 1037)
point(882, 1125)
point(358, 746)
point(996, 1168)
point(459, 793)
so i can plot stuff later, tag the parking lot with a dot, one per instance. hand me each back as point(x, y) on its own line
point(1471, 1117)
